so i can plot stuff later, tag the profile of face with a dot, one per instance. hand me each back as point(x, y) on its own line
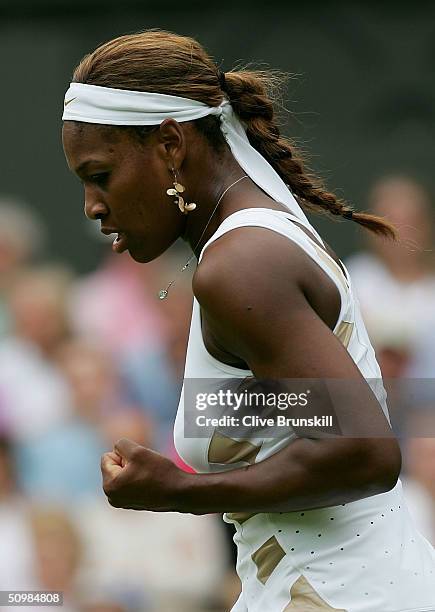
point(125, 181)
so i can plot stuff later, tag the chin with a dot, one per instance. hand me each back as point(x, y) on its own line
point(142, 251)
point(141, 256)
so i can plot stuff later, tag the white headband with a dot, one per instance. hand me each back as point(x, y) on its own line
point(104, 105)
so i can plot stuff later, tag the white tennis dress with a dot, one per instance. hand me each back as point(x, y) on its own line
point(364, 556)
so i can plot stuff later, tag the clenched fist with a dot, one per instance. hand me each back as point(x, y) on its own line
point(138, 478)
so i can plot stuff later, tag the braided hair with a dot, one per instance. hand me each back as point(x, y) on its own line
point(248, 93)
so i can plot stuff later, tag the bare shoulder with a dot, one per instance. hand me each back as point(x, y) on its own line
point(249, 264)
point(253, 286)
point(242, 282)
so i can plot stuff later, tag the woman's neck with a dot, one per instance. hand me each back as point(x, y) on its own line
point(217, 175)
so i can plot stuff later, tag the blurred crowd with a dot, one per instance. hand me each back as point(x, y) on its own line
point(395, 285)
point(87, 359)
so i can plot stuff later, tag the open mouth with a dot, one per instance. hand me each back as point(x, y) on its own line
point(120, 243)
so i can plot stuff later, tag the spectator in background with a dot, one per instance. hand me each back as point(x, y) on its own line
point(57, 561)
point(164, 562)
point(419, 479)
point(395, 282)
point(112, 305)
point(50, 464)
point(33, 392)
point(22, 239)
point(57, 555)
point(93, 379)
point(16, 561)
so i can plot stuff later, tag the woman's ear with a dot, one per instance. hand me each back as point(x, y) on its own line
point(172, 143)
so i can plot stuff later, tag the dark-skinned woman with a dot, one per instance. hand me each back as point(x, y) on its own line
point(168, 146)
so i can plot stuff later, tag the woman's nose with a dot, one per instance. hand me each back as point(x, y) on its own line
point(94, 208)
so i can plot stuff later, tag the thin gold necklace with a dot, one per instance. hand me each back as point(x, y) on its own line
point(164, 292)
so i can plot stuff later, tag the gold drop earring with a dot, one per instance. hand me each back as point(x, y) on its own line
point(176, 191)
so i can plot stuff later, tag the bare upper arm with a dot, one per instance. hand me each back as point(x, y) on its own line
point(253, 287)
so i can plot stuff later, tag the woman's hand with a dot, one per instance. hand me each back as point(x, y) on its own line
point(138, 478)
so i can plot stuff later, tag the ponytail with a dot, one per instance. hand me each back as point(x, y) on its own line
point(250, 95)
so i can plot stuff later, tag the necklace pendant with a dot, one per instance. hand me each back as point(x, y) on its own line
point(162, 294)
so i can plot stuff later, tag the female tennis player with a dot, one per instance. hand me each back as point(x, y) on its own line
point(168, 146)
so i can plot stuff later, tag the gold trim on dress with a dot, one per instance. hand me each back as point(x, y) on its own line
point(344, 332)
point(267, 557)
point(333, 266)
point(223, 449)
point(305, 599)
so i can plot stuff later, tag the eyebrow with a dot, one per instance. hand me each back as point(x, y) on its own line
point(86, 163)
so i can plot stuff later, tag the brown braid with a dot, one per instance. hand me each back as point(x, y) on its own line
point(249, 94)
point(167, 63)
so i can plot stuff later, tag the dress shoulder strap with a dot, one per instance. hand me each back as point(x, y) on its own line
point(287, 225)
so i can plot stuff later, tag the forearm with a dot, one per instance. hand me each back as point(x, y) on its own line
point(304, 475)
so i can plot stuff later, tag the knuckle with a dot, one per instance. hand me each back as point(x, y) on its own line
point(136, 454)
